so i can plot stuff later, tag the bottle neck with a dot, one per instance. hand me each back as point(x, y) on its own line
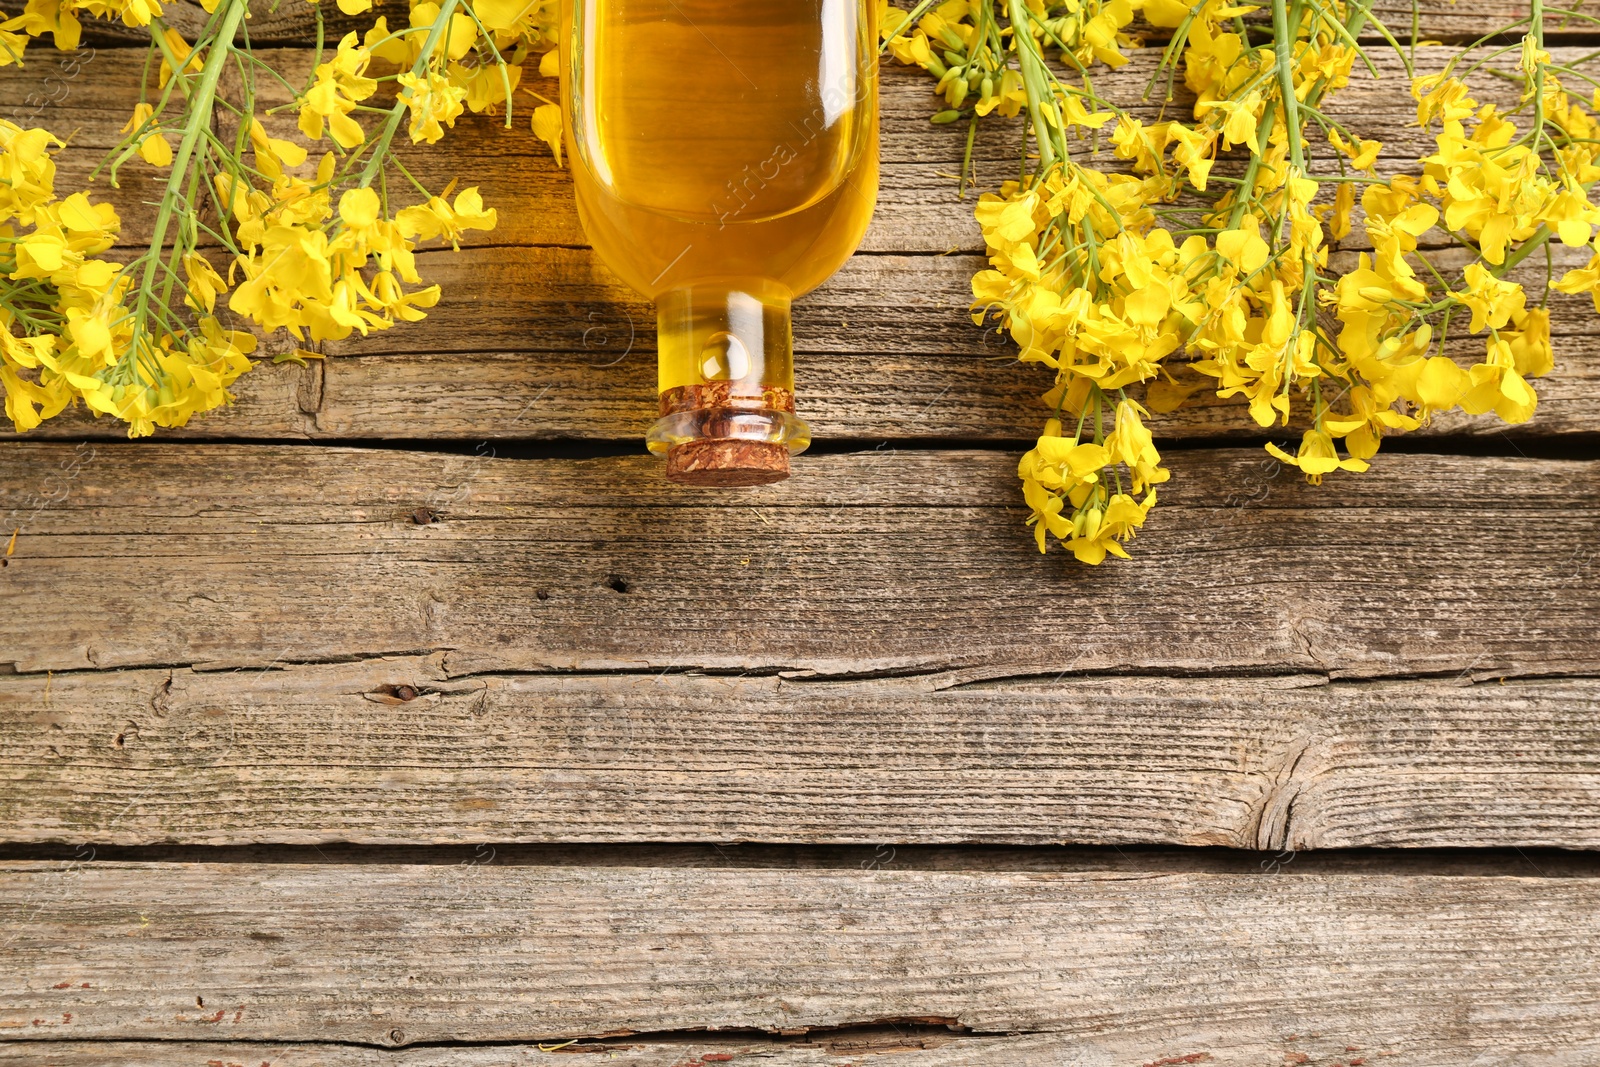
point(726, 385)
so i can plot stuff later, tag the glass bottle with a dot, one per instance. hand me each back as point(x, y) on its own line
point(725, 158)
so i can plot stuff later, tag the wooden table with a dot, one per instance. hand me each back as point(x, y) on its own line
point(401, 714)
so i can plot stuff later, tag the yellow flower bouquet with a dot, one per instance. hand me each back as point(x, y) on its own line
point(1145, 259)
point(1110, 275)
point(319, 255)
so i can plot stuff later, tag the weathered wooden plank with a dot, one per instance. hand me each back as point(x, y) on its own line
point(129, 757)
point(918, 206)
point(910, 1046)
point(541, 343)
point(870, 562)
point(402, 955)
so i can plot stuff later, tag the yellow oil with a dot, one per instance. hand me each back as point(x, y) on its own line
point(725, 158)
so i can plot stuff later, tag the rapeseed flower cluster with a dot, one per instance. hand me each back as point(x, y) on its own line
point(1207, 237)
point(66, 333)
point(253, 232)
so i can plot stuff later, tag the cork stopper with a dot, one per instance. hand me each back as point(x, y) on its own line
point(720, 435)
point(727, 463)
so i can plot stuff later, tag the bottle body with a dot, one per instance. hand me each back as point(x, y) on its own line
point(725, 161)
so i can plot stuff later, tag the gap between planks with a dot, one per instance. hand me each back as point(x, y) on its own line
point(1132, 860)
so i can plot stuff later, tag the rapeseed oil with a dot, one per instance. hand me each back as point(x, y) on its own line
point(725, 157)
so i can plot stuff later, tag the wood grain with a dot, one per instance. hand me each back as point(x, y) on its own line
point(882, 561)
point(129, 757)
point(395, 955)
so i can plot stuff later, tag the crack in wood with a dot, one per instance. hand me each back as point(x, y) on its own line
point(875, 1037)
point(1270, 825)
point(946, 678)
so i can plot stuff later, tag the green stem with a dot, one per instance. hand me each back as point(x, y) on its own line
point(1283, 50)
point(1536, 31)
point(1540, 238)
point(195, 127)
point(1033, 81)
point(505, 76)
point(1253, 168)
point(370, 172)
point(966, 158)
point(909, 24)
